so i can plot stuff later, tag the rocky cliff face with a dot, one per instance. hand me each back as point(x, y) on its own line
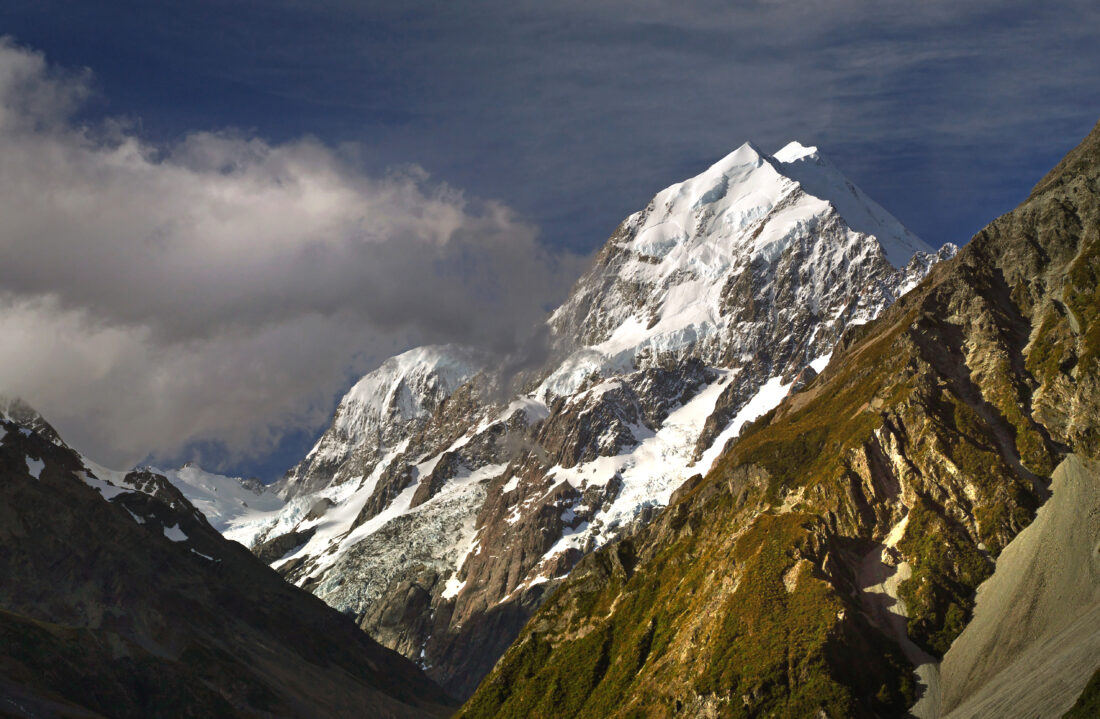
point(838, 542)
point(442, 533)
point(119, 599)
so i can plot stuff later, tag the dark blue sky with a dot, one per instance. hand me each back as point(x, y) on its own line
point(576, 113)
point(577, 116)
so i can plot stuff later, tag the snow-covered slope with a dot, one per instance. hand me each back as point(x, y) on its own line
point(227, 502)
point(715, 263)
point(439, 516)
point(821, 178)
point(377, 413)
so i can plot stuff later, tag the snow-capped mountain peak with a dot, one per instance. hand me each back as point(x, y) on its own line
point(687, 273)
point(744, 158)
point(821, 178)
point(426, 507)
point(740, 187)
point(392, 389)
point(18, 411)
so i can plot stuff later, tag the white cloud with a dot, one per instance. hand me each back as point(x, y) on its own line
point(221, 288)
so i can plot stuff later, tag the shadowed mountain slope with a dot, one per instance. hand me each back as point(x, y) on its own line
point(119, 599)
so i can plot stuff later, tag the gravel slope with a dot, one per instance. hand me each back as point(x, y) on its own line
point(1035, 637)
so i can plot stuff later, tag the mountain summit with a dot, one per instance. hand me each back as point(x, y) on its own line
point(913, 533)
point(440, 516)
point(730, 260)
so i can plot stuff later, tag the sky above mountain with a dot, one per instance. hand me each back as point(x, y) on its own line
point(219, 213)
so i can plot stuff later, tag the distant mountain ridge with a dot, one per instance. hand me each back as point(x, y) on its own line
point(225, 501)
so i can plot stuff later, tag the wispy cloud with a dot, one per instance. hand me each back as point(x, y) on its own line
point(945, 111)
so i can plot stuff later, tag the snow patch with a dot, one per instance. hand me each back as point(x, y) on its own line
point(137, 517)
point(511, 485)
point(108, 490)
point(766, 399)
point(452, 587)
point(821, 363)
point(175, 533)
point(35, 467)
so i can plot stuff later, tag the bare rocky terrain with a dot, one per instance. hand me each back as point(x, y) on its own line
point(1035, 636)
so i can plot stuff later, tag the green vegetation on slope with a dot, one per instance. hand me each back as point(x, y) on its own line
point(1087, 705)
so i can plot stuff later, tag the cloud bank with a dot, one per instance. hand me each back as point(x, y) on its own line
point(223, 287)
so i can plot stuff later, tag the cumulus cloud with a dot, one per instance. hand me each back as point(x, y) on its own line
point(224, 287)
